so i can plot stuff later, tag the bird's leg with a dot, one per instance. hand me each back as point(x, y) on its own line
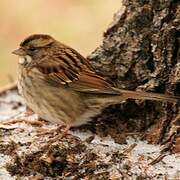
point(47, 156)
point(44, 131)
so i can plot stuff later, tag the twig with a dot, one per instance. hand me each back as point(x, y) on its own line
point(158, 159)
point(130, 148)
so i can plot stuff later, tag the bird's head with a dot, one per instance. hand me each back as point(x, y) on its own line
point(33, 49)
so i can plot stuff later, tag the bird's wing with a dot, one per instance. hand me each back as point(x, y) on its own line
point(68, 67)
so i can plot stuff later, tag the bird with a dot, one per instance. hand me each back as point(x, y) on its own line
point(62, 87)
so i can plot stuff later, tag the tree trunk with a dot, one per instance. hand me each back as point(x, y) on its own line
point(141, 51)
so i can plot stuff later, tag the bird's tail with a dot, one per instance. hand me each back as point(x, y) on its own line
point(127, 94)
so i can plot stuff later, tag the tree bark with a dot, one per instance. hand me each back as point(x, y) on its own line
point(141, 51)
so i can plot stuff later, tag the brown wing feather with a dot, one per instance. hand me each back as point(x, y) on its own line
point(91, 83)
point(70, 68)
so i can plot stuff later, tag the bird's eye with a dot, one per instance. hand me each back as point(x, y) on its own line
point(32, 49)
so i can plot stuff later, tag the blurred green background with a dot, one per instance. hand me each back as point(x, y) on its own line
point(77, 23)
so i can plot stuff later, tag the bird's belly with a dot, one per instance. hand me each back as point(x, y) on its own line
point(41, 105)
point(54, 104)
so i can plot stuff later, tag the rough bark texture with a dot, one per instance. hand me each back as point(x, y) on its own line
point(141, 50)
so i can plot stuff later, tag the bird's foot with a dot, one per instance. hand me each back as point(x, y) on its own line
point(45, 131)
point(61, 135)
point(47, 157)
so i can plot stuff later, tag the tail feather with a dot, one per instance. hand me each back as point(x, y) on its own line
point(149, 96)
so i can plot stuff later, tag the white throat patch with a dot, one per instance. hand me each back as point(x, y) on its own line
point(25, 59)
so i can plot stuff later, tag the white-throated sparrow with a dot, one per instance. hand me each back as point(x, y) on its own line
point(60, 85)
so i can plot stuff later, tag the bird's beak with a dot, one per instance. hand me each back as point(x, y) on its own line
point(19, 52)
